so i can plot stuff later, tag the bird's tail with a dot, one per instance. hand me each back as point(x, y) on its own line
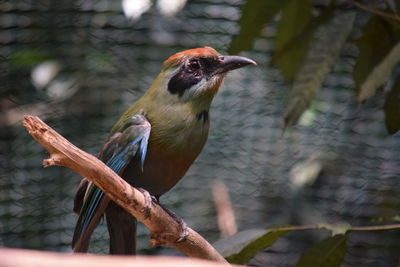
point(89, 218)
point(122, 229)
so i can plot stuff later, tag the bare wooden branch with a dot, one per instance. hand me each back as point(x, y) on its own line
point(375, 11)
point(324, 227)
point(164, 229)
point(223, 206)
point(32, 258)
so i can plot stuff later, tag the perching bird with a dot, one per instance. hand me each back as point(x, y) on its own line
point(155, 141)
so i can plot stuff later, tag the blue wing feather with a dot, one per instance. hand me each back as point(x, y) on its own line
point(122, 147)
point(143, 148)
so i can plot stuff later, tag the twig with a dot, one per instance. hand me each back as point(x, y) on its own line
point(164, 229)
point(373, 10)
point(376, 227)
point(350, 229)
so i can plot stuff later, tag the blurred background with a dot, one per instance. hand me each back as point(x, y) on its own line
point(78, 64)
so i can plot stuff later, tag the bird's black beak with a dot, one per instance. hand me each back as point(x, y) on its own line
point(228, 63)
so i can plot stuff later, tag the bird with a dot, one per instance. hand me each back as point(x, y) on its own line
point(155, 141)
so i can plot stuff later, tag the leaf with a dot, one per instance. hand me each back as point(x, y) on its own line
point(241, 247)
point(255, 14)
point(233, 244)
point(294, 17)
point(289, 58)
point(377, 39)
point(293, 37)
point(379, 74)
point(392, 108)
point(329, 252)
point(317, 64)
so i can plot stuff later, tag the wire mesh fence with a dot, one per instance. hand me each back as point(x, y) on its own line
point(104, 61)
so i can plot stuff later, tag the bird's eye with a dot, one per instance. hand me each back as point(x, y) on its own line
point(194, 65)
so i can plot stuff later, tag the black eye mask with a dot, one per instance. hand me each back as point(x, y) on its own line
point(191, 74)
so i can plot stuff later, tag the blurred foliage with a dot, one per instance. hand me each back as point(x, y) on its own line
point(379, 74)
point(292, 42)
point(241, 247)
point(254, 15)
point(310, 36)
point(373, 44)
point(329, 252)
point(316, 65)
point(28, 57)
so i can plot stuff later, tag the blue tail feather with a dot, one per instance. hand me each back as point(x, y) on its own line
point(123, 153)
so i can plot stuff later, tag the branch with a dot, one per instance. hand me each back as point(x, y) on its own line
point(223, 205)
point(330, 227)
point(373, 10)
point(32, 258)
point(164, 229)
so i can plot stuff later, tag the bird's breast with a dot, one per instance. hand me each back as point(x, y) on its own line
point(175, 142)
point(179, 131)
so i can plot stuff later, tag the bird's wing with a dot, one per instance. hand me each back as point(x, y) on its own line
point(129, 141)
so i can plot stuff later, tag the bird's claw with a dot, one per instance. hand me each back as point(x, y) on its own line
point(184, 229)
point(148, 201)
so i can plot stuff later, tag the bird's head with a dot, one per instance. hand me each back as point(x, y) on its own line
point(196, 74)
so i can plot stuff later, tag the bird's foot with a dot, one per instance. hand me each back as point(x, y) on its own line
point(148, 201)
point(184, 229)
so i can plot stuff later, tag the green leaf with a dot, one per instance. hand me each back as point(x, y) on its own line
point(317, 64)
point(293, 37)
point(329, 252)
point(392, 108)
point(241, 247)
point(255, 14)
point(379, 74)
point(294, 17)
point(290, 56)
point(233, 244)
point(377, 39)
